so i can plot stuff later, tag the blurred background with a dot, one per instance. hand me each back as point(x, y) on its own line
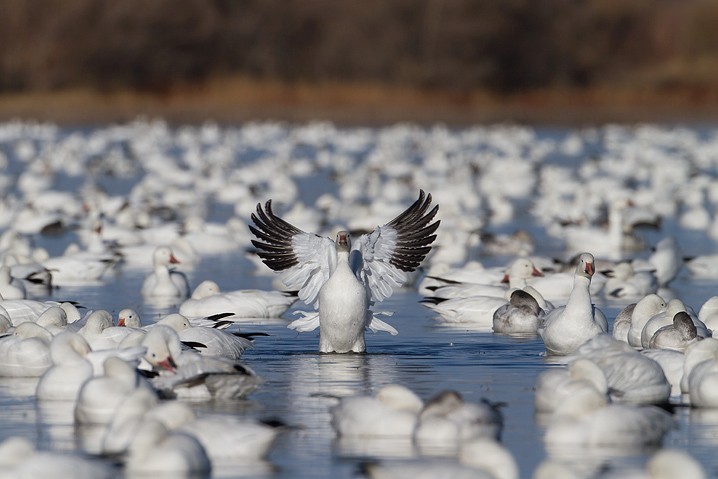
point(375, 60)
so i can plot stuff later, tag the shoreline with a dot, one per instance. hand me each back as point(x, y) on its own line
point(232, 101)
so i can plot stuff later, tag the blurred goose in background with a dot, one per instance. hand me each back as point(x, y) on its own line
point(155, 450)
point(613, 242)
point(76, 266)
point(20, 458)
point(224, 438)
point(708, 313)
point(631, 376)
point(392, 412)
point(344, 282)
point(165, 282)
point(520, 270)
point(25, 352)
point(478, 459)
point(447, 420)
point(581, 377)
point(625, 282)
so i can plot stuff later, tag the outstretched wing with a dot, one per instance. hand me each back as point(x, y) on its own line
point(383, 257)
point(306, 259)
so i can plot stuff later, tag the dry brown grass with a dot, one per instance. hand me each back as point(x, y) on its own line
point(238, 99)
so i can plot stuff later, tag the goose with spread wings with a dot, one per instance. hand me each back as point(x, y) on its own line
point(343, 280)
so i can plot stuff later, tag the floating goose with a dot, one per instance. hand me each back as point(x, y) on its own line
point(568, 327)
point(207, 300)
point(342, 281)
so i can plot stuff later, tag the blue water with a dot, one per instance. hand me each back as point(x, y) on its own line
point(299, 383)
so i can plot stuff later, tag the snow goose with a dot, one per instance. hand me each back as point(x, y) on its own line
point(341, 281)
point(519, 316)
point(672, 363)
point(676, 336)
point(224, 438)
point(10, 288)
point(624, 282)
point(703, 383)
point(21, 310)
point(695, 354)
point(70, 368)
point(164, 282)
point(476, 310)
point(667, 260)
point(128, 318)
point(631, 376)
point(100, 396)
point(516, 275)
point(557, 286)
point(207, 300)
point(581, 377)
point(54, 319)
point(19, 458)
point(100, 332)
point(610, 243)
point(208, 238)
point(75, 266)
point(666, 463)
point(645, 309)
point(610, 425)
point(622, 323)
point(392, 412)
point(154, 450)
point(709, 313)
point(26, 352)
point(186, 373)
point(447, 420)
point(209, 341)
point(566, 328)
point(666, 318)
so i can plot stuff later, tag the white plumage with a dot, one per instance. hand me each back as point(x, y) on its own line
point(342, 281)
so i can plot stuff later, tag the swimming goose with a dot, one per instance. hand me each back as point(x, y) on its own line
point(207, 300)
point(186, 373)
point(101, 396)
point(568, 327)
point(20, 458)
point(516, 275)
point(519, 316)
point(342, 281)
point(447, 420)
point(164, 282)
point(213, 341)
point(393, 412)
point(223, 437)
point(26, 352)
point(631, 376)
point(155, 450)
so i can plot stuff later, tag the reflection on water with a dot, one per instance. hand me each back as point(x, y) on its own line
point(56, 425)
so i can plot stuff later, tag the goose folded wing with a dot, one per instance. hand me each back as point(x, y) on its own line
point(383, 257)
point(306, 259)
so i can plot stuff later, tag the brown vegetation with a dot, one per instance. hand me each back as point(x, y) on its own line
point(324, 54)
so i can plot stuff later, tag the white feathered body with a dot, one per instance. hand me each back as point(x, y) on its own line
point(344, 311)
